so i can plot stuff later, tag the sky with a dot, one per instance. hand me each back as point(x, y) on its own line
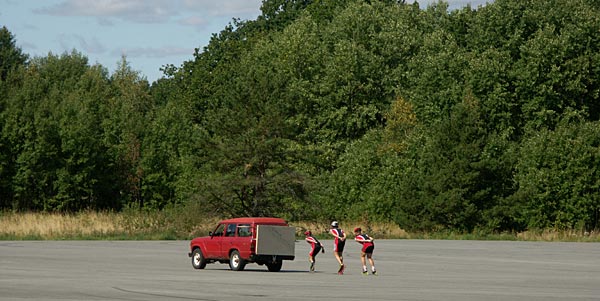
point(148, 33)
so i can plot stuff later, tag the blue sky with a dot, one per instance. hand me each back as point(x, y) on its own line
point(149, 33)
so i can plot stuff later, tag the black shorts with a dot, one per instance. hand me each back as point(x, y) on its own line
point(339, 246)
point(315, 251)
point(369, 249)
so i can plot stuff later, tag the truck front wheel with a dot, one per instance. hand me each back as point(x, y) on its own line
point(236, 263)
point(274, 266)
point(198, 260)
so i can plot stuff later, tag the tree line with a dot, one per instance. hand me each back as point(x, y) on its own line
point(480, 118)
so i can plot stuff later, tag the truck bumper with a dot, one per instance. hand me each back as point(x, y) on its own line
point(270, 258)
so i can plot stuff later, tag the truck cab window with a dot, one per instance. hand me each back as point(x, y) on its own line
point(230, 230)
point(219, 230)
point(244, 230)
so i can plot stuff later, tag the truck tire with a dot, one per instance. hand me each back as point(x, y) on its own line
point(274, 266)
point(236, 263)
point(198, 260)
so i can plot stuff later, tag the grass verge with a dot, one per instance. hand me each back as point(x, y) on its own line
point(184, 224)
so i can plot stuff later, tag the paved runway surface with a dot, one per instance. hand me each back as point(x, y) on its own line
point(408, 270)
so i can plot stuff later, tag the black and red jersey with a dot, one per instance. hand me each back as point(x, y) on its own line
point(315, 245)
point(313, 241)
point(337, 232)
point(365, 240)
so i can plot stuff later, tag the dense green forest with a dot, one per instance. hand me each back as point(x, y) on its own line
point(434, 119)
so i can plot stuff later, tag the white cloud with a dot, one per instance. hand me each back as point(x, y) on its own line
point(92, 46)
point(194, 21)
point(143, 11)
point(245, 9)
point(76, 41)
point(28, 45)
point(152, 52)
point(105, 21)
point(152, 11)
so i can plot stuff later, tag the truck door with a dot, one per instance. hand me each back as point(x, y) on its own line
point(213, 246)
point(228, 241)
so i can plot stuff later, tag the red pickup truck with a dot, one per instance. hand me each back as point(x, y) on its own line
point(262, 240)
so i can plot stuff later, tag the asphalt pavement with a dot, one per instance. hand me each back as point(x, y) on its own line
point(408, 270)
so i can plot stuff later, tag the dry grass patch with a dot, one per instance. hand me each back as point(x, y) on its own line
point(131, 224)
point(187, 223)
point(59, 226)
point(554, 235)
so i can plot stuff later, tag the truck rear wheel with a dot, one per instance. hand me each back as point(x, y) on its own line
point(236, 263)
point(198, 260)
point(274, 266)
